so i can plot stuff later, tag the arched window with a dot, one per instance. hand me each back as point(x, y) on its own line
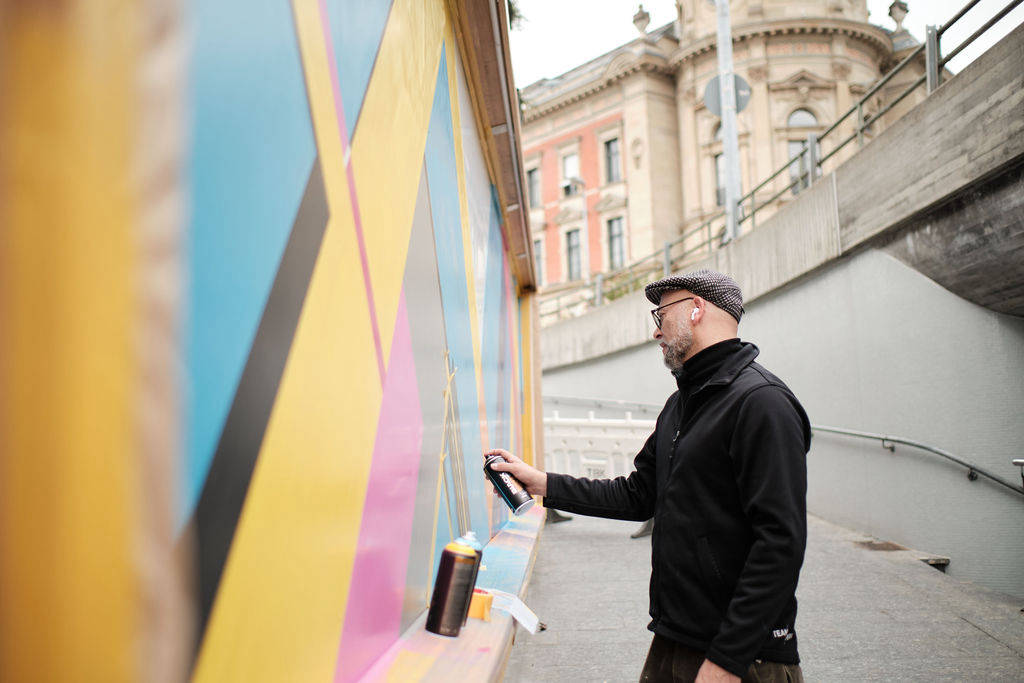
point(801, 118)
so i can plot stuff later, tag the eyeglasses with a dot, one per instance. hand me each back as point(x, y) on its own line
point(657, 316)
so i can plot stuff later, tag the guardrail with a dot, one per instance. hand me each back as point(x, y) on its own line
point(807, 163)
point(593, 447)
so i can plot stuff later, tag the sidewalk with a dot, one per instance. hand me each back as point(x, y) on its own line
point(864, 615)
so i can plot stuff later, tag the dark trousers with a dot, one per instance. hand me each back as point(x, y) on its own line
point(672, 662)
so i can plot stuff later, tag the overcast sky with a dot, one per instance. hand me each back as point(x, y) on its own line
point(557, 35)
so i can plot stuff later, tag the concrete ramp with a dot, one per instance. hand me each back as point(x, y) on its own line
point(864, 615)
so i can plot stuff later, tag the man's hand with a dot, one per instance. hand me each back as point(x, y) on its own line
point(712, 673)
point(535, 481)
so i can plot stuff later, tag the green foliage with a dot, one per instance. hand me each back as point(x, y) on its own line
point(515, 15)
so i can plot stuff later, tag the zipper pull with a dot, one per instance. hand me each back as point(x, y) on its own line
point(675, 440)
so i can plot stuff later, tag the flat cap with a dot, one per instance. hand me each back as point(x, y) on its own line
point(718, 288)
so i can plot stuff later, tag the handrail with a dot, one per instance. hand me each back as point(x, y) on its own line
point(809, 159)
point(958, 16)
point(887, 442)
point(974, 36)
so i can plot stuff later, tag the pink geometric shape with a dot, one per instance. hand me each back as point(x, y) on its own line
point(374, 612)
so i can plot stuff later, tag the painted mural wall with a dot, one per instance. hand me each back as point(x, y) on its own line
point(355, 334)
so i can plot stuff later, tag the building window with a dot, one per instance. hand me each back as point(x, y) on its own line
point(572, 254)
point(612, 161)
point(801, 118)
point(538, 260)
point(719, 180)
point(533, 187)
point(616, 244)
point(570, 173)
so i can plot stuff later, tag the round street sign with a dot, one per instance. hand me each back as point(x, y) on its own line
point(713, 100)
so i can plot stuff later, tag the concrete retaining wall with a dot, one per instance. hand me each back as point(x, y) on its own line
point(870, 344)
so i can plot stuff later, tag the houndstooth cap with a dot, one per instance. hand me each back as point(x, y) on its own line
point(718, 288)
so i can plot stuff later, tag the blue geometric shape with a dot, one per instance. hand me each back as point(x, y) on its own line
point(356, 31)
point(442, 181)
point(252, 148)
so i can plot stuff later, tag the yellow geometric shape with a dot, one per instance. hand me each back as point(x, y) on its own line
point(387, 152)
point(281, 602)
point(70, 476)
point(526, 312)
point(409, 666)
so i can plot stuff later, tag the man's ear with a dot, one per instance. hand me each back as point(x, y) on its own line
point(698, 308)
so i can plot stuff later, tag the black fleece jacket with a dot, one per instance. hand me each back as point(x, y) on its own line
point(725, 477)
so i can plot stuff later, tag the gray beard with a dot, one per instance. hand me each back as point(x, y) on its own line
point(674, 356)
point(676, 351)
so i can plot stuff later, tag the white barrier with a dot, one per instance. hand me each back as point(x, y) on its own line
point(592, 447)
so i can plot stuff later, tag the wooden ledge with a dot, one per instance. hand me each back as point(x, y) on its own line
point(481, 651)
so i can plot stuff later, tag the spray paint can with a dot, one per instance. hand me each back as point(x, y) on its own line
point(469, 539)
point(510, 488)
point(453, 589)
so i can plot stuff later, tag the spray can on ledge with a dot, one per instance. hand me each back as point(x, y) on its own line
point(510, 488)
point(469, 539)
point(453, 589)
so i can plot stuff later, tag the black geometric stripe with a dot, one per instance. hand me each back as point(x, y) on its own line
point(215, 518)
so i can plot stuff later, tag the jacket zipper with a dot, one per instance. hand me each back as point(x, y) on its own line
point(679, 429)
point(671, 455)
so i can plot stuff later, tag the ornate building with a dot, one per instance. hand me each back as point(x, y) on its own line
point(621, 153)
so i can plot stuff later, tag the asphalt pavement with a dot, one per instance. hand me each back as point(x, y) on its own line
point(864, 614)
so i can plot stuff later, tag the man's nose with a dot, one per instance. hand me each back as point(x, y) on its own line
point(657, 333)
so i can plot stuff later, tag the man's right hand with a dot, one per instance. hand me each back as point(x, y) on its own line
point(535, 481)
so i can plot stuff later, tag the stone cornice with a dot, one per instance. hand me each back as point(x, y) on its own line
point(568, 215)
point(618, 70)
point(609, 202)
point(629, 63)
point(869, 33)
point(802, 80)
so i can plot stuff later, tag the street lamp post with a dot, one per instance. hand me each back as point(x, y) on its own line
point(727, 94)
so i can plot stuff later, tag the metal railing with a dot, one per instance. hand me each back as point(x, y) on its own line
point(889, 443)
point(806, 167)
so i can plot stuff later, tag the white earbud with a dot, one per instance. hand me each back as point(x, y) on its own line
point(693, 314)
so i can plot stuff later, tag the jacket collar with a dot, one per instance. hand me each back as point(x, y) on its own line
point(741, 355)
